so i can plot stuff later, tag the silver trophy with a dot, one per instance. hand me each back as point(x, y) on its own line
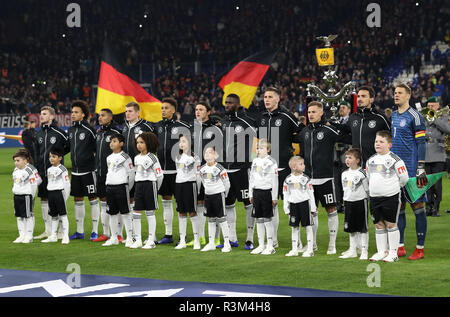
point(331, 98)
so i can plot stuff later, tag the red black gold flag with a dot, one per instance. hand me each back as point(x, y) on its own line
point(116, 89)
point(244, 78)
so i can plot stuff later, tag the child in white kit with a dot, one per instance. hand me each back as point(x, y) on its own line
point(217, 184)
point(299, 204)
point(186, 191)
point(263, 194)
point(26, 179)
point(58, 188)
point(387, 174)
point(119, 181)
point(147, 182)
point(356, 193)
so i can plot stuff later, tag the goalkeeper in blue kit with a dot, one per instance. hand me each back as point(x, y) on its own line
point(409, 143)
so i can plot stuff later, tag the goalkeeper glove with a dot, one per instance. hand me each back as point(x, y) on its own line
point(421, 175)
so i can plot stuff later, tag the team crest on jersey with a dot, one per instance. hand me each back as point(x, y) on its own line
point(306, 136)
point(320, 135)
point(372, 124)
point(82, 136)
point(53, 140)
point(160, 130)
point(278, 122)
point(389, 162)
point(263, 122)
point(40, 140)
point(238, 129)
point(355, 123)
point(137, 131)
point(108, 138)
point(174, 130)
point(402, 122)
point(70, 136)
point(209, 134)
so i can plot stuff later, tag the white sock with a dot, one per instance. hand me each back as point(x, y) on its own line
point(195, 223)
point(46, 217)
point(137, 226)
point(127, 220)
point(95, 214)
point(309, 238)
point(211, 230)
point(231, 219)
point(315, 226)
point(55, 223)
point(105, 218)
point(79, 215)
point(182, 224)
point(364, 238)
point(201, 220)
point(168, 216)
point(21, 226)
point(333, 224)
point(353, 239)
point(250, 222)
point(29, 226)
point(275, 222)
point(393, 238)
point(64, 225)
point(381, 238)
point(114, 225)
point(151, 219)
point(294, 237)
point(225, 231)
point(120, 224)
point(260, 231)
point(269, 232)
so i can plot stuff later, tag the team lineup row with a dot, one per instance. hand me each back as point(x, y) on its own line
point(90, 154)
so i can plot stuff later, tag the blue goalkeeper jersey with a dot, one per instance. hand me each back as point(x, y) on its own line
point(408, 138)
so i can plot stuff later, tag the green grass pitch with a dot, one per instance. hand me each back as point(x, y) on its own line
point(427, 277)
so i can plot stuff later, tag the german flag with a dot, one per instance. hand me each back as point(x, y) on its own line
point(116, 89)
point(244, 78)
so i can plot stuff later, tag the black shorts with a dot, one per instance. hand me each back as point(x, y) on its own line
point(325, 194)
point(385, 208)
point(101, 186)
point(215, 205)
point(118, 199)
point(168, 185)
point(23, 206)
point(299, 213)
point(355, 216)
point(56, 203)
point(186, 197)
point(262, 203)
point(145, 196)
point(83, 185)
point(43, 193)
point(238, 187)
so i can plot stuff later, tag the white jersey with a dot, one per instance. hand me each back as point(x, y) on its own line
point(215, 179)
point(58, 179)
point(387, 174)
point(297, 189)
point(264, 175)
point(26, 180)
point(120, 169)
point(355, 184)
point(187, 168)
point(148, 169)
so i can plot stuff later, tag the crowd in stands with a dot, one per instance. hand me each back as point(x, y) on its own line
point(43, 61)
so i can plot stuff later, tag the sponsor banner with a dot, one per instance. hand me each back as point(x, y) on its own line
point(18, 283)
point(12, 121)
